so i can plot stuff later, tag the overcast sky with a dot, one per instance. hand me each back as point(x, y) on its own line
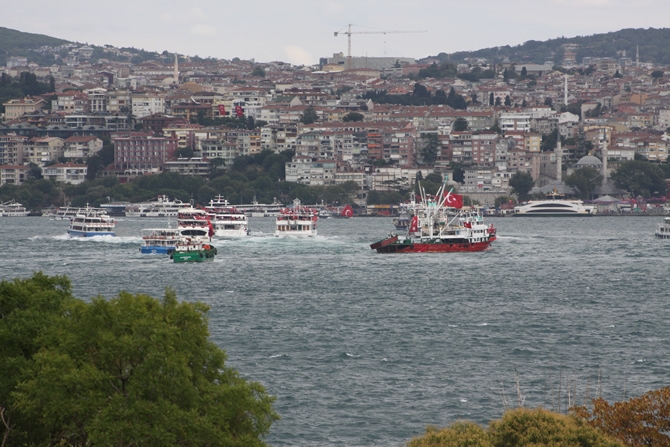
point(300, 32)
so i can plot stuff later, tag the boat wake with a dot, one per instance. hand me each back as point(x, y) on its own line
point(100, 239)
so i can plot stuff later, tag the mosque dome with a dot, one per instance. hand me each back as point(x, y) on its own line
point(589, 161)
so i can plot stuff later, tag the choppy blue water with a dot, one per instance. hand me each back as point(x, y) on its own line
point(366, 349)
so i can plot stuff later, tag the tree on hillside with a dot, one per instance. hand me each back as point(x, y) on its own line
point(130, 370)
point(430, 149)
point(585, 179)
point(521, 183)
point(458, 173)
point(656, 75)
point(640, 178)
point(461, 124)
point(455, 100)
point(440, 97)
point(309, 116)
point(258, 71)
point(353, 116)
point(420, 91)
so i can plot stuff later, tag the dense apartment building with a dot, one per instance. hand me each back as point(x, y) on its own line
point(138, 153)
point(43, 151)
point(11, 149)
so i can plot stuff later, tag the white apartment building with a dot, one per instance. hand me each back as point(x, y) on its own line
point(71, 173)
point(97, 100)
point(81, 147)
point(145, 104)
point(303, 170)
point(251, 100)
point(514, 121)
point(216, 148)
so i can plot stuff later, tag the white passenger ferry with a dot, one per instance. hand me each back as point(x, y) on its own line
point(13, 209)
point(228, 221)
point(297, 220)
point(256, 209)
point(161, 206)
point(90, 222)
point(663, 229)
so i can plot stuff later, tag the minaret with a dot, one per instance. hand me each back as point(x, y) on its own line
point(565, 91)
point(604, 155)
point(637, 56)
point(176, 69)
point(559, 160)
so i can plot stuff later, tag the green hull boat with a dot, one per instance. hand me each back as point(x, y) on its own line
point(193, 254)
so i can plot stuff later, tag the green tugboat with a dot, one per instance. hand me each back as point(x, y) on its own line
point(193, 251)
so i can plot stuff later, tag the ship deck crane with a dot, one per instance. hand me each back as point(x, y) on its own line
point(348, 32)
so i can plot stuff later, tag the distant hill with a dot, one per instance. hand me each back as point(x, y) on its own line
point(654, 46)
point(17, 43)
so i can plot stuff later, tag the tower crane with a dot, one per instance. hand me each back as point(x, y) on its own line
point(348, 32)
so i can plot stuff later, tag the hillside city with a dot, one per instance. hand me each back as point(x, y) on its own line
point(380, 122)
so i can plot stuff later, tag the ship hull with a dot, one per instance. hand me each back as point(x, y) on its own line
point(193, 256)
point(156, 250)
point(408, 246)
point(83, 233)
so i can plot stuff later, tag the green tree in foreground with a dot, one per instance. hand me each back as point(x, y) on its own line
point(520, 427)
point(640, 421)
point(131, 370)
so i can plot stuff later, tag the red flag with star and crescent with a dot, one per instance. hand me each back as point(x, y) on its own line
point(348, 211)
point(414, 224)
point(222, 109)
point(454, 200)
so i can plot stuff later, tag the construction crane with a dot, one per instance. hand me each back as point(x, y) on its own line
point(348, 32)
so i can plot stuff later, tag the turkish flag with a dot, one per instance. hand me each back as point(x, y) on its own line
point(454, 200)
point(348, 211)
point(414, 224)
point(467, 224)
point(222, 109)
point(239, 111)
